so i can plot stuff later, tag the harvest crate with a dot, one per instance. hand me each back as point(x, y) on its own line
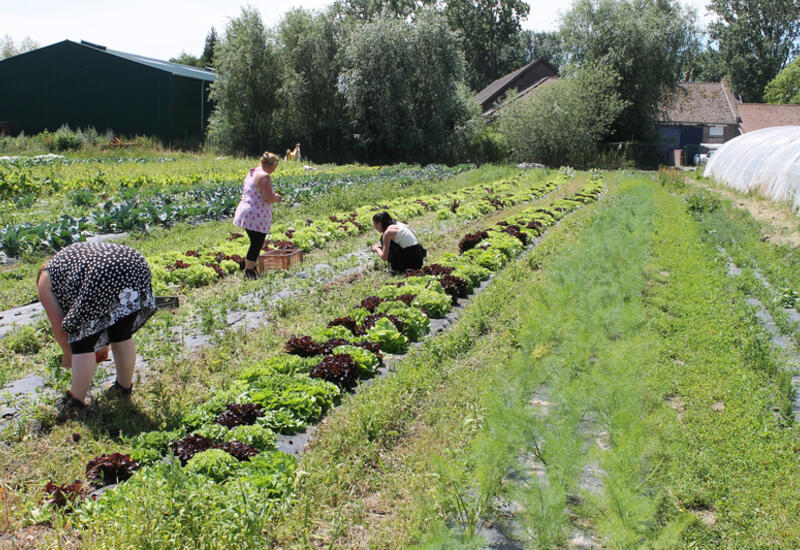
point(279, 259)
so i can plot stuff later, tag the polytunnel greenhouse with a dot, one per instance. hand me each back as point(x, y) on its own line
point(766, 161)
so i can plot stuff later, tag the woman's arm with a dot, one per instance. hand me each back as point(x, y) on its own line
point(264, 185)
point(386, 239)
point(56, 315)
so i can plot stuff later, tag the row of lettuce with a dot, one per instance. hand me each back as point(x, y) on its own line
point(230, 439)
point(188, 198)
point(205, 265)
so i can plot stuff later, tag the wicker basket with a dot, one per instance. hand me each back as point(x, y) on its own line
point(279, 259)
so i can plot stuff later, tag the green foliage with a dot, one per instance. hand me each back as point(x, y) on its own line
point(546, 44)
point(401, 81)
point(207, 57)
point(271, 472)
point(646, 43)
point(672, 179)
point(312, 109)
point(213, 463)
point(756, 39)
point(367, 362)
point(187, 59)
point(435, 304)
point(385, 334)
point(165, 507)
point(24, 340)
point(245, 91)
point(9, 49)
point(785, 87)
point(258, 437)
point(701, 202)
point(417, 324)
point(563, 123)
point(490, 37)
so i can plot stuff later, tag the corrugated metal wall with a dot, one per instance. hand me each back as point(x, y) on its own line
point(68, 83)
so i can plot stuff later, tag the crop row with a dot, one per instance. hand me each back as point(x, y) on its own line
point(231, 437)
point(205, 265)
point(131, 211)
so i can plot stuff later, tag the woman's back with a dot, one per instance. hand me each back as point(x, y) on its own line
point(404, 237)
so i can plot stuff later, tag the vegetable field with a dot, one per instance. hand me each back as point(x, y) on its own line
point(576, 365)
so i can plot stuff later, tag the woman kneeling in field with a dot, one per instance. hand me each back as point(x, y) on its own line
point(399, 245)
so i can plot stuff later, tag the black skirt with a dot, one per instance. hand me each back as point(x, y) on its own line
point(402, 259)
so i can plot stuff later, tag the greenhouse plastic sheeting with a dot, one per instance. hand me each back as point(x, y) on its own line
point(766, 161)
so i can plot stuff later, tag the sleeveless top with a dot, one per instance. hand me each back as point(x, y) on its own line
point(253, 212)
point(404, 236)
point(96, 285)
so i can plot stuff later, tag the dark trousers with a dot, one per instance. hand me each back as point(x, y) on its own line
point(256, 242)
point(401, 259)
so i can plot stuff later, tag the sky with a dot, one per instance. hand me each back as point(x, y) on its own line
point(164, 29)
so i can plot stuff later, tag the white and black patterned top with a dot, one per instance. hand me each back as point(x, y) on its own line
point(96, 285)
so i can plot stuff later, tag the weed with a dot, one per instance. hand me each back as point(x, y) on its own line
point(25, 340)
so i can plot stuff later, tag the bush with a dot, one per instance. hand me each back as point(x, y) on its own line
point(701, 202)
point(563, 123)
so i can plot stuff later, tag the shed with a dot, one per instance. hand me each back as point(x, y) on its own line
point(88, 85)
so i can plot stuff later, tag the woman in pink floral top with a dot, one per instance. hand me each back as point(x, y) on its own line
point(254, 213)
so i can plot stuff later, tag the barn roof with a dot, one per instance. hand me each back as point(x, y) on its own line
point(701, 103)
point(538, 85)
point(168, 66)
point(504, 83)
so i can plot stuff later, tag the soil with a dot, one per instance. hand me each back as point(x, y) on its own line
point(35, 536)
point(785, 224)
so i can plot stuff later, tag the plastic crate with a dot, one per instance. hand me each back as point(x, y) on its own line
point(273, 260)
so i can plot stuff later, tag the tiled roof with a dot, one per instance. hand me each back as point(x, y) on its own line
point(701, 103)
point(764, 115)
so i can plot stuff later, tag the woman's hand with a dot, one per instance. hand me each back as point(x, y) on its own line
point(278, 198)
point(375, 248)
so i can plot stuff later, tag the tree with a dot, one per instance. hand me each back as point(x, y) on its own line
point(186, 59)
point(366, 10)
point(756, 38)
point(785, 87)
point(544, 44)
point(646, 42)
point(402, 83)
point(490, 32)
point(705, 65)
point(246, 88)
point(207, 57)
point(313, 111)
point(564, 122)
point(9, 49)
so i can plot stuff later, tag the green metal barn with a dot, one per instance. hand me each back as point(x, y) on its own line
point(84, 84)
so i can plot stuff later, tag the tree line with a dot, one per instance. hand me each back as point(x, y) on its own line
point(394, 80)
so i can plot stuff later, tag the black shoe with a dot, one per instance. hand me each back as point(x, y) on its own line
point(118, 392)
point(250, 274)
point(69, 408)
